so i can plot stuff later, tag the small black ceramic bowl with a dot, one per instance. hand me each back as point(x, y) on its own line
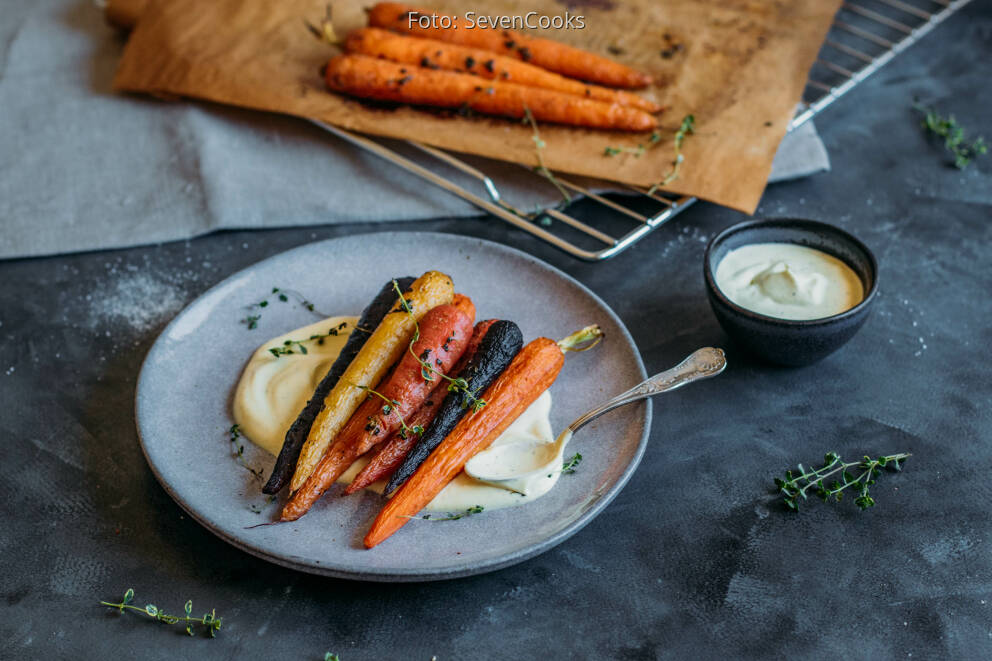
point(787, 341)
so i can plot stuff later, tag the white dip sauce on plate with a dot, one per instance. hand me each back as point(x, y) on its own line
point(274, 389)
point(788, 281)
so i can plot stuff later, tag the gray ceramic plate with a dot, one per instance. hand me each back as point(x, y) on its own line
point(183, 406)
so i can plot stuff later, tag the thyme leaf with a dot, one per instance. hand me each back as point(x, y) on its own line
point(210, 621)
point(569, 466)
point(299, 346)
point(282, 295)
point(796, 485)
point(470, 397)
point(953, 135)
point(539, 146)
point(238, 450)
point(686, 128)
point(451, 516)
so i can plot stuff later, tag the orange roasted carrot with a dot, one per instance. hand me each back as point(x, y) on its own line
point(371, 78)
point(444, 333)
point(485, 64)
point(530, 373)
point(545, 53)
point(392, 454)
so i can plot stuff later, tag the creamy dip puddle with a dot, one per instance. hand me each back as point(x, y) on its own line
point(273, 390)
point(788, 281)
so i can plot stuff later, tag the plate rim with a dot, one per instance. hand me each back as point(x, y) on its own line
point(395, 575)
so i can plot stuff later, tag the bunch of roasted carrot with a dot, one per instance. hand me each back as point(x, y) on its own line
point(487, 70)
point(421, 389)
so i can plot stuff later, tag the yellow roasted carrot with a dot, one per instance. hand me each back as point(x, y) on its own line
point(382, 350)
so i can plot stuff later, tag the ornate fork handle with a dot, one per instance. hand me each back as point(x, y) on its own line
point(701, 364)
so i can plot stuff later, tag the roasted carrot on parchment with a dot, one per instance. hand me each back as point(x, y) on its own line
point(381, 351)
point(545, 53)
point(485, 64)
point(371, 78)
point(530, 373)
point(441, 339)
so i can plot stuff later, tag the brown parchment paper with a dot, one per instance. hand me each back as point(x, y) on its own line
point(739, 66)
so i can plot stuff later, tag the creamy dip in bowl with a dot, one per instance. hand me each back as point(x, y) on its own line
point(791, 291)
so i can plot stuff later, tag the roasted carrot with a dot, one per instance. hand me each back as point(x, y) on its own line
point(370, 78)
point(530, 373)
point(551, 55)
point(434, 54)
point(393, 453)
point(499, 344)
point(444, 333)
point(388, 458)
point(296, 435)
point(381, 351)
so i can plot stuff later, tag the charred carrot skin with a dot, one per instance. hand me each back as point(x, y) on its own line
point(391, 455)
point(502, 341)
point(530, 373)
point(545, 53)
point(384, 348)
point(297, 434)
point(434, 54)
point(370, 78)
point(444, 335)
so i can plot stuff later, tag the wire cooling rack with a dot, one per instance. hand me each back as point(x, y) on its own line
point(865, 35)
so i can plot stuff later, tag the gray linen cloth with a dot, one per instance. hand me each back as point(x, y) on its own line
point(82, 168)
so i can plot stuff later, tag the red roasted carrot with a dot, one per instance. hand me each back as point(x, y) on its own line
point(485, 64)
point(530, 373)
point(444, 333)
point(551, 55)
point(370, 78)
point(392, 454)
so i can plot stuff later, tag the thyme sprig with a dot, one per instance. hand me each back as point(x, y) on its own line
point(953, 134)
point(210, 621)
point(452, 516)
point(283, 296)
point(637, 151)
point(795, 486)
point(294, 346)
point(573, 462)
point(686, 128)
point(390, 407)
point(539, 146)
point(427, 371)
point(239, 450)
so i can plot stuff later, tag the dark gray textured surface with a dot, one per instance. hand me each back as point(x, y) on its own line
point(690, 561)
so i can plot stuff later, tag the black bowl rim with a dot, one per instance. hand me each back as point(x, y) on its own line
point(801, 223)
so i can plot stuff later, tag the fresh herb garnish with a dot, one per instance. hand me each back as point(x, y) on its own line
point(209, 620)
point(294, 346)
point(239, 450)
point(687, 127)
point(331, 657)
point(539, 146)
point(390, 407)
point(795, 486)
point(953, 135)
point(569, 466)
point(470, 397)
point(283, 295)
point(453, 516)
